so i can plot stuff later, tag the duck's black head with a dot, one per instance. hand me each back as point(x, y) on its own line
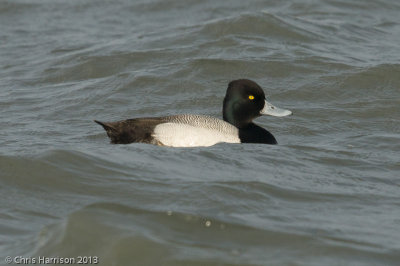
point(244, 101)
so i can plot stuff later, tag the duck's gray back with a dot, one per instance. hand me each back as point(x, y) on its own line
point(194, 130)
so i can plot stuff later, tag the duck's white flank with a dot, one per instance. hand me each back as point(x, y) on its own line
point(194, 131)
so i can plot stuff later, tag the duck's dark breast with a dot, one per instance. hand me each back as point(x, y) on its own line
point(255, 134)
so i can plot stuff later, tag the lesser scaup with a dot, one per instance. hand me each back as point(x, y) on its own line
point(244, 101)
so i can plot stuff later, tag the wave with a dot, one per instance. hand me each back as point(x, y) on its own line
point(120, 234)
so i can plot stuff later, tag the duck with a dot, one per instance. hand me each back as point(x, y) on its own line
point(244, 101)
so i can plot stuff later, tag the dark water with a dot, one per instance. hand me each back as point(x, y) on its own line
point(329, 194)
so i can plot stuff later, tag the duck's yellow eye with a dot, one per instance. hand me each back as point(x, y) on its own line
point(251, 97)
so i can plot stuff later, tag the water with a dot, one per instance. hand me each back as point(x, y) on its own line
point(328, 194)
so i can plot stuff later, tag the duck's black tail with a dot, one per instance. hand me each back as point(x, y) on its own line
point(111, 131)
point(131, 130)
point(106, 126)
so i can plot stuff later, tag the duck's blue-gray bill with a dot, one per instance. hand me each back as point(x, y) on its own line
point(270, 109)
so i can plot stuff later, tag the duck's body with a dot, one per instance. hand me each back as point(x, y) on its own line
point(177, 131)
point(244, 101)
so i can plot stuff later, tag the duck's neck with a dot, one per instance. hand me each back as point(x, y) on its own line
point(237, 123)
point(229, 114)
